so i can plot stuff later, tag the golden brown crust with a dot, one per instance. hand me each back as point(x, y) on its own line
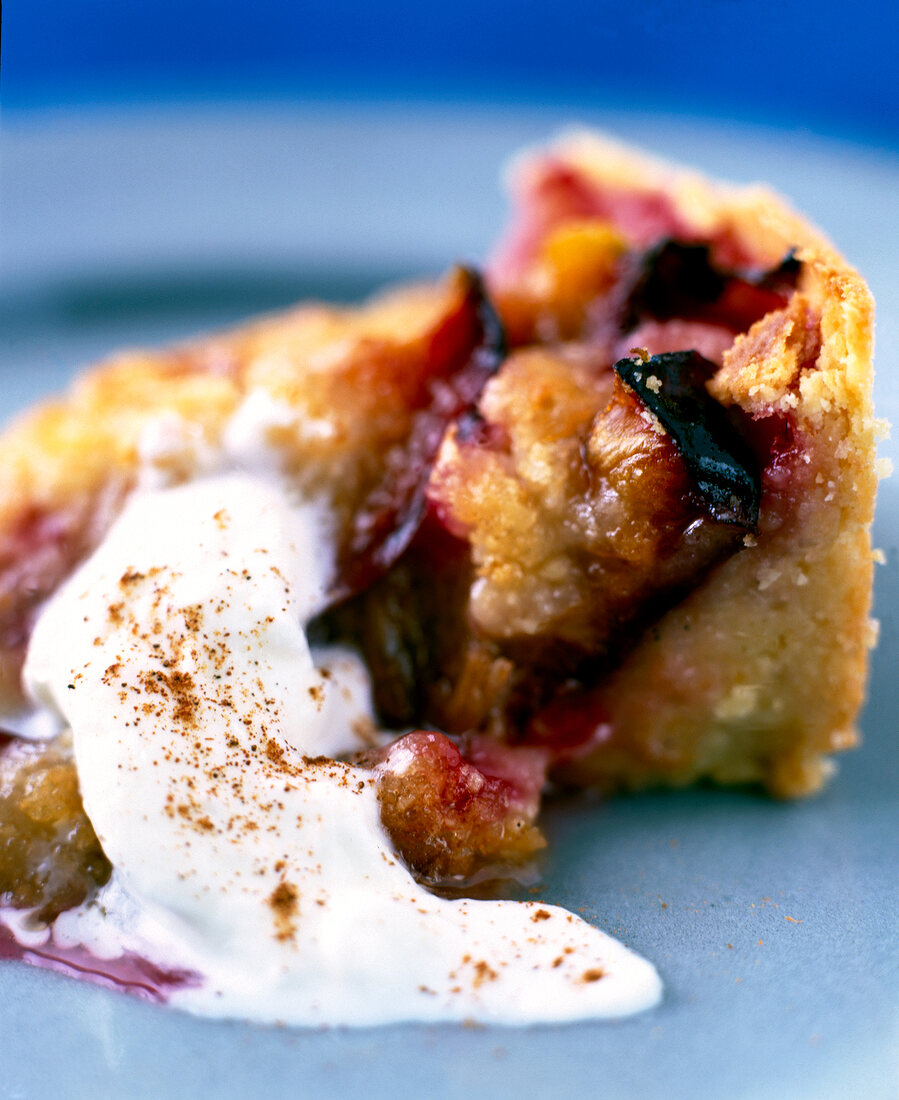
point(353, 369)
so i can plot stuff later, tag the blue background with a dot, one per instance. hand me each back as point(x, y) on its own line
point(827, 67)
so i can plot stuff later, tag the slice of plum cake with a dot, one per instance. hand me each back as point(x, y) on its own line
point(601, 515)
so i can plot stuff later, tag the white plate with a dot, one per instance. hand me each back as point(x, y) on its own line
point(142, 228)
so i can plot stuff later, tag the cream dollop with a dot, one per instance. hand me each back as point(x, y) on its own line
point(205, 731)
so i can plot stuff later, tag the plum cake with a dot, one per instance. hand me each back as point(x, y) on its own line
point(600, 512)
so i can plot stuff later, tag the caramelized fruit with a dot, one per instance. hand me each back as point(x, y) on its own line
point(50, 858)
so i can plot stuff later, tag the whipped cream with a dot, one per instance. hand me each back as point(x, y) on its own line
point(205, 731)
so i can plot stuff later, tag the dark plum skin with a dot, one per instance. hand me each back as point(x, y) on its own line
point(675, 279)
point(721, 463)
point(465, 353)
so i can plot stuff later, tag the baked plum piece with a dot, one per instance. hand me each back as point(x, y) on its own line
point(50, 858)
point(583, 517)
point(460, 814)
